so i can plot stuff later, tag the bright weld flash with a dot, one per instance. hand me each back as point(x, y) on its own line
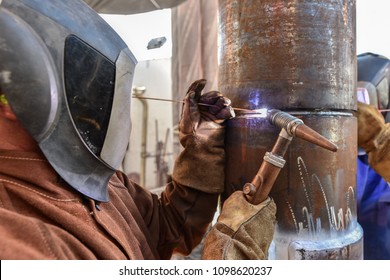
point(260, 113)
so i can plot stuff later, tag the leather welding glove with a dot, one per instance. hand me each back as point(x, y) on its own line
point(374, 138)
point(243, 231)
point(201, 132)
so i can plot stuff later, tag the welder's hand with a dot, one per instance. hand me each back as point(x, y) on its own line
point(243, 230)
point(201, 132)
point(374, 138)
point(196, 118)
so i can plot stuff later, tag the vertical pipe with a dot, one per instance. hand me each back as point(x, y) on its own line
point(299, 57)
point(138, 92)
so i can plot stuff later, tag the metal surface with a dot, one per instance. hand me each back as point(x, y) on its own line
point(314, 192)
point(288, 54)
point(299, 57)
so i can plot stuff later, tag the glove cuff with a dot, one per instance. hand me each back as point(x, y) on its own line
point(246, 210)
point(243, 230)
point(200, 166)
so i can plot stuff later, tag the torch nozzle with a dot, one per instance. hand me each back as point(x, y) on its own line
point(296, 127)
point(308, 134)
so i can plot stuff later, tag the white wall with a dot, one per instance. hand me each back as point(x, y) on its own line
point(155, 75)
point(138, 29)
point(372, 26)
point(154, 72)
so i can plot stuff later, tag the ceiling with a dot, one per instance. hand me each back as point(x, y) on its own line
point(126, 7)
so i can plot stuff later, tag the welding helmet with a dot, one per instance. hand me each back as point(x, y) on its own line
point(67, 76)
point(373, 81)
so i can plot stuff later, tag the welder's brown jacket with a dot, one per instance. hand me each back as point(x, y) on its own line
point(41, 217)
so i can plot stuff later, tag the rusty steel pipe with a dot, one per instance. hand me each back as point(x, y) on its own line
point(288, 54)
point(298, 57)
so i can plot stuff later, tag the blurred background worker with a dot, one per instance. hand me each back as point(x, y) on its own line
point(65, 82)
point(373, 170)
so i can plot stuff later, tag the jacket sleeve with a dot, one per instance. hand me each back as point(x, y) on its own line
point(174, 221)
point(187, 213)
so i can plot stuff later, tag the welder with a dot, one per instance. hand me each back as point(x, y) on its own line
point(65, 81)
point(373, 165)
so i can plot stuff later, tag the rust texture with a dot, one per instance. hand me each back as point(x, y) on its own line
point(299, 57)
point(288, 54)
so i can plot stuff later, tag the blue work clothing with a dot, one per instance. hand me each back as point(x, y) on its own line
point(373, 201)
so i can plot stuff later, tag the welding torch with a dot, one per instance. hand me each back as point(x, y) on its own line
point(259, 188)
